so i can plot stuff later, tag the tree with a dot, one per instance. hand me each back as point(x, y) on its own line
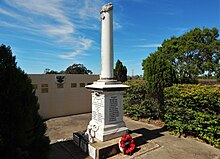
point(73, 69)
point(48, 71)
point(77, 69)
point(194, 53)
point(21, 127)
point(120, 71)
point(159, 74)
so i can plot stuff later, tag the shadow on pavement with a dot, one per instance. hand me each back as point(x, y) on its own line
point(147, 135)
point(66, 150)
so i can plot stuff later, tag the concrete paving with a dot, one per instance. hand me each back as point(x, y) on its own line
point(157, 143)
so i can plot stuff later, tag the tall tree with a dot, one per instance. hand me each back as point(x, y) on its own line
point(194, 53)
point(158, 73)
point(21, 127)
point(77, 69)
point(120, 71)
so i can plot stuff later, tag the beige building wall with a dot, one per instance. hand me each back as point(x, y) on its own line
point(60, 99)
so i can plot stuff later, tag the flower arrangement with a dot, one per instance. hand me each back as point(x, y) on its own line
point(126, 144)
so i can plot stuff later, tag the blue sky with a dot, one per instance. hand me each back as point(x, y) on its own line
point(55, 34)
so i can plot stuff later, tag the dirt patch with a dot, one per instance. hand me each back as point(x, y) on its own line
point(158, 123)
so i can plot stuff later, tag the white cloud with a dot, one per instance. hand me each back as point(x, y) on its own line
point(116, 25)
point(62, 22)
point(148, 45)
point(58, 20)
point(61, 31)
point(90, 9)
point(43, 13)
point(179, 31)
point(10, 14)
point(83, 44)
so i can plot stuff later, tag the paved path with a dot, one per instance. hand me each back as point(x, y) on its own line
point(159, 144)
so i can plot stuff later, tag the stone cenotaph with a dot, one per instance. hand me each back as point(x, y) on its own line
point(107, 94)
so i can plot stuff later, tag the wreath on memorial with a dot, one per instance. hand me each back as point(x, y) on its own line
point(126, 144)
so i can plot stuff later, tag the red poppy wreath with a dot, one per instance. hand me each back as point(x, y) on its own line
point(126, 144)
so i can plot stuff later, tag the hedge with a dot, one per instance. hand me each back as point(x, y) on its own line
point(194, 110)
point(137, 104)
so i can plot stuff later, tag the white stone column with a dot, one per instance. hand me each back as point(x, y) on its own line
point(107, 42)
point(107, 94)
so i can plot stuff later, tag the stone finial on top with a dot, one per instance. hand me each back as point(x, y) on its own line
point(107, 7)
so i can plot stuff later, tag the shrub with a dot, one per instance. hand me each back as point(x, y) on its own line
point(194, 110)
point(159, 74)
point(21, 128)
point(136, 102)
point(120, 72)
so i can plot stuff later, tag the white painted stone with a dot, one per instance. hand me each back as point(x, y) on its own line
point(92, 151)
point(107, 94)
point(107, 115)
point(107, 42)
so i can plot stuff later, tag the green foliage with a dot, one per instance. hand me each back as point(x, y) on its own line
point(194, 53)
point(136, 102)
point(21, 128)
point(218, 76)
point(194, 110)
point(77, 69)
point(120, 71)
point(73, 69)
point(48, 71)
point(158, 73)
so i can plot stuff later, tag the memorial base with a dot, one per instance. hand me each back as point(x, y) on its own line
point(110, 131)
point(107, 110)
point(99, 149)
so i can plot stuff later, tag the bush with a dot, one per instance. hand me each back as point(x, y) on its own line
point(159, 74)
point(136, 102)
point(194, 110)
point(120, 72)
point(21, 128)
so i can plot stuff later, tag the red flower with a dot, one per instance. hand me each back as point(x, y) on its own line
point(126, 144)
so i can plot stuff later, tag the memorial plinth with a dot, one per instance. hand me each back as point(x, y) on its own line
point(107, 110)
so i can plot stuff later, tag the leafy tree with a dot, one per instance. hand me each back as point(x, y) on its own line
point(120, 71)
point(158, 73)
point(73, 69)
point(182, 60)
point(21, 127)
point(48, 71)
point(194, 53)
point(77, 69)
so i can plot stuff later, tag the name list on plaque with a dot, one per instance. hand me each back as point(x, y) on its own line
point(113, 109)
point(98, 108)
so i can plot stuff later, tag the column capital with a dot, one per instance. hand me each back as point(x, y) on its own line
point(107, 7)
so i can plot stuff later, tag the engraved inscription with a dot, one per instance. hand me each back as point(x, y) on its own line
point(98, 108)
point(94, 115)
point(100, 117)
point(113, 109)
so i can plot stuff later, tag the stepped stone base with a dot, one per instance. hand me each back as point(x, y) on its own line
point(99, 149)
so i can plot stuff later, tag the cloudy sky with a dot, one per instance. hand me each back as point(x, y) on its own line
point(55, 34)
